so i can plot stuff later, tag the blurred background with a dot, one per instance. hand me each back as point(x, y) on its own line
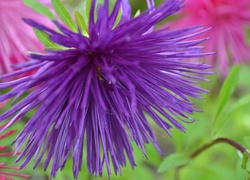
point(218, 162)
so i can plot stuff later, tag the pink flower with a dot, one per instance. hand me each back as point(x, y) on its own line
point(228, 19)
point(16, 37)
point(6, 175)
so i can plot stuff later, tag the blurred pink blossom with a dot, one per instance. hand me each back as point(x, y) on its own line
point(228, 19)
point(5, 174)
point(16, 37)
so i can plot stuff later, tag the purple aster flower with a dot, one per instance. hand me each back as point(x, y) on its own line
point(98, 89)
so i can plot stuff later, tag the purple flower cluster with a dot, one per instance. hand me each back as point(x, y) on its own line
point(98, 90)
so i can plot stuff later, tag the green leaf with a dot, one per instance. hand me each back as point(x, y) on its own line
point(247, 141)
point(224, 118)
point(244, 161)
point(248, 35)
point(44, 38)
point(86, 10)
point(241, 103)
point(173, 161)
point(118, 18)
point(55, 48)
point(81, 23)
point(228, 88)
point(137, 13)
point(63, 14)
point(40, 8)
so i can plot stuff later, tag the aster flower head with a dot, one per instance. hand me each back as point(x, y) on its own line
point(228, 20)
point(16, 37)
point(98, 89)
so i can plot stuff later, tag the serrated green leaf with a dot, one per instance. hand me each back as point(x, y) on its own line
point(39, 7)
point(44, 38)
point(173, 161)
point(81, 23)
point(63, 14)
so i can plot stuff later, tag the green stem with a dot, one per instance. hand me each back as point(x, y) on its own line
point(216, 141)
point(230, 142)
